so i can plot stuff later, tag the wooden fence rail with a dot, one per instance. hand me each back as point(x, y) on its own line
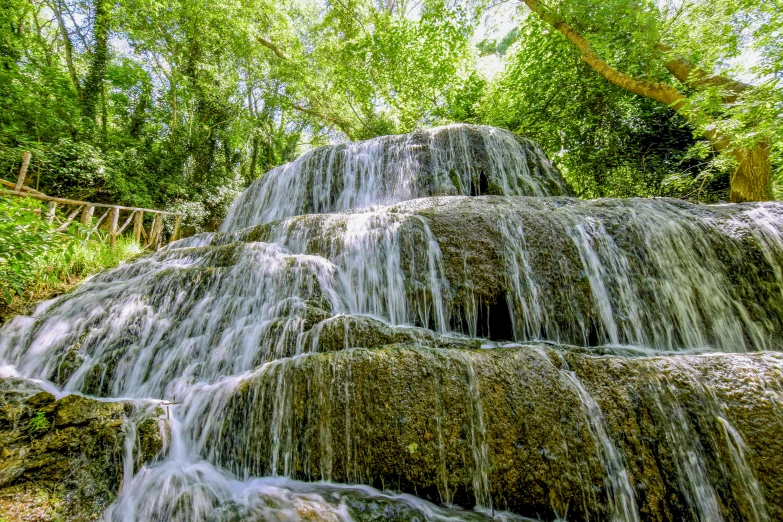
point(86, 211)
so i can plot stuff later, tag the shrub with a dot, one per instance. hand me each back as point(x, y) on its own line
point(25, 239)
point(38, 262)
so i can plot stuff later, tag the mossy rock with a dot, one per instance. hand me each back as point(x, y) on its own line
point(508, 426)
point(357, 331)
point(63, 459)
point(404, 418)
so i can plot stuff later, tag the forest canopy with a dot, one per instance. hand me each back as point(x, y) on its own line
point(179, 104)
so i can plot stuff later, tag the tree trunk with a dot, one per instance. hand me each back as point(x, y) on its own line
point(253, 159)
point(104, 112)
point(752, 179)
point(96, 76)
point(68, 48)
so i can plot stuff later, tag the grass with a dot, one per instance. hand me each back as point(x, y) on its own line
point(87, 258)
point(55, 274)
point(40, 260)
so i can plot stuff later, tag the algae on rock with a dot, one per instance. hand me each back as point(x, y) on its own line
point(507, 428)
point(63, 459)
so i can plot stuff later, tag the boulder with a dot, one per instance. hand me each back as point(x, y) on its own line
point(64, 459)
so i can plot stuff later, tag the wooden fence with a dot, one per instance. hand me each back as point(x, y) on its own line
point(86, 210)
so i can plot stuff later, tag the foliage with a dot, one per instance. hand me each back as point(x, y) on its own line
point(25, 239)
point(689, 55)
point(37, 261)
point(38, 423)
point(608, 142)
point(86, 257)
point(490, 46)
point(179, 104)
point(163, 103)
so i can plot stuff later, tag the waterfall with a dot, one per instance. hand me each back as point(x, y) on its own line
point(426, 327)
point(452, 160)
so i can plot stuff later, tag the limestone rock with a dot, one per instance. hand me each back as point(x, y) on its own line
point(511, 428)
point(63, 459)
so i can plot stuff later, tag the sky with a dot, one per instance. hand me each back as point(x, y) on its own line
point(496, 23)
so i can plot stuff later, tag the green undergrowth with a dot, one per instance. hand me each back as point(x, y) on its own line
point(39, 262)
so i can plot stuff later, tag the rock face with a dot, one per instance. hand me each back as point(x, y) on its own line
point(63, 459)
point(659, 273)
point(531, 429)
point(446, 323)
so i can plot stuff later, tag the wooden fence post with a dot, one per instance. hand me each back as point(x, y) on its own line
point(114, 217)
point(175, 234)
point(138, 224)
point(159, 239)
point(52, 207)
point(23, 171)
point(155, 232)
point(87, 213)
point(153, 228)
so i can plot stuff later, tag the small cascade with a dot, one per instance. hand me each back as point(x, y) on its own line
point(426, 327)
point(697, 417)
point(585, 273)
point(478, 438)
point(620, 494)
point(452, 160)
point(690, 450)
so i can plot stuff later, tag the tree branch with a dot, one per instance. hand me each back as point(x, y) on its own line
point(660, 92)
point(697, 78)
point(76, 26)
point(342, 125)
point(273, 47)
point(339, 123)
point(657, 91)
point(68, 47)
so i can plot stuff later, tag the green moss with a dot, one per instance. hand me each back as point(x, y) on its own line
point(493, 189)
point(456, 181)
point(150, 440)
point(67, 464)
point(70, 361)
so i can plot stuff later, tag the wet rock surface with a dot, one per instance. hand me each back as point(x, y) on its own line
point(63, 459)
point(508, 427)
point(657, 273)
point(468, 160)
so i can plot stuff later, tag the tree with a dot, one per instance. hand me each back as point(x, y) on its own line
point(94, 88)
point(179, 104)
point(607, 142)
point(640, 41)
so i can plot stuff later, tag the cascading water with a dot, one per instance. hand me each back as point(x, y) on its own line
point(431, 317)
point(453, 160)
